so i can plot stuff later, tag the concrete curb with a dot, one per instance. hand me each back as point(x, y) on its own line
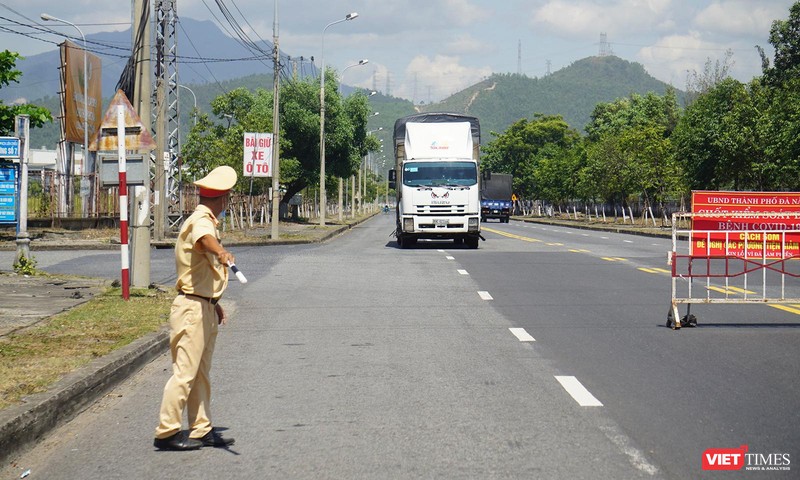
point(163, 244)
point(23, 425)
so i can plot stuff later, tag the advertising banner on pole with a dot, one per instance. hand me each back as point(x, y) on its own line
point(257, 154)
point(75, 96)
point(745, 224)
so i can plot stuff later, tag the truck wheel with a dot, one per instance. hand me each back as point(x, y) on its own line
point(472, 242)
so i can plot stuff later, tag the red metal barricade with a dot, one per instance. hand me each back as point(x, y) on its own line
point(753, 258)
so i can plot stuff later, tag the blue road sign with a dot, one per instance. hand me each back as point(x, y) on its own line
point(9, 147)
point(8, 194)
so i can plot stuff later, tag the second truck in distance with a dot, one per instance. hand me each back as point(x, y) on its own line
point(496, 201)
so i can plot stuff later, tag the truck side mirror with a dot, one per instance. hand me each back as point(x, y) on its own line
point(392, 179)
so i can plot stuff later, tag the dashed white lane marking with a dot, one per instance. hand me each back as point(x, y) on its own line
point(463, 272)
point(440, 251)
point(450, 257)
point(578, 391)
point(522, 335)
point(628, 241)
point(485, 295)
point(637, 458)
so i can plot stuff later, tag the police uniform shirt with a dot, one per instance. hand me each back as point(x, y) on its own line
point(192, 265)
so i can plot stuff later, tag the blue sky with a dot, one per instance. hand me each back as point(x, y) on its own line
point(428, 49)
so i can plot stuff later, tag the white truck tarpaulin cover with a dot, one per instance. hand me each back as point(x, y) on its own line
point(438, 140)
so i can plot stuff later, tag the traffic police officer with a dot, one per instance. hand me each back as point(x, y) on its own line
point(201, 263)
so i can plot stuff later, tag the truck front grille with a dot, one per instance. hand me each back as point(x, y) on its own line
point(441, 209)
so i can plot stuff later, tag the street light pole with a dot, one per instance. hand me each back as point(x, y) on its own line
point(195, 101)
point(360, 63)
point(342, 180)
point(322, 206)
point(51, 18)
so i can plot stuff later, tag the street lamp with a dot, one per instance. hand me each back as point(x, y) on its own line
point(195, 101)
point(51, 18)
point(322, 206)
point(360, 62)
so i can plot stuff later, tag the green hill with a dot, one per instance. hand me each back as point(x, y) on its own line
point(571, 92)
point(498, 101)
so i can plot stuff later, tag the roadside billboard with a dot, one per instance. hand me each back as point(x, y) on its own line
point(72, 60)
point(746, 224)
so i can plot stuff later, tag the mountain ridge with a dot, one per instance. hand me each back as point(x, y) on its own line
point(499, 100)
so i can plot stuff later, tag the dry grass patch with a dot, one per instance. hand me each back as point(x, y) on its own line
point(34, 359)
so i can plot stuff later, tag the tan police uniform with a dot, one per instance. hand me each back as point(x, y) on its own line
point(193, 326)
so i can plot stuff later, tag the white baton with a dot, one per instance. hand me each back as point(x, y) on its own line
point(239, 275)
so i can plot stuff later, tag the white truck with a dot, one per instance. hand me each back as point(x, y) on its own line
point(436, 178)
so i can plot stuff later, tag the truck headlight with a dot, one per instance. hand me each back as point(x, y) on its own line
point(472, 225)
point(408, 224)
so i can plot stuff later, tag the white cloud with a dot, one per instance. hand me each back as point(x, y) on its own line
point(586, 18)
point(673, 56)
point(739, 17)
point(434, 78)
point(466, 44)
point(463, 12)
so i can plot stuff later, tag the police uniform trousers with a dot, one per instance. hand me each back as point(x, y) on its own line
point(193, 333)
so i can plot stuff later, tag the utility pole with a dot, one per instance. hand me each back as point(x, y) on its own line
point(140, 218)
point(22, 131)
point(276, 194)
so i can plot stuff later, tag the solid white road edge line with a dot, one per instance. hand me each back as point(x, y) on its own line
point(578, 391)
point(522, 335)
point(485, 295)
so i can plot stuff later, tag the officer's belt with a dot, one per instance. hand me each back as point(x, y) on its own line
point(212, 301)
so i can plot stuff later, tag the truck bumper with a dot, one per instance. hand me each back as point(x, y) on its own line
point(440, 226)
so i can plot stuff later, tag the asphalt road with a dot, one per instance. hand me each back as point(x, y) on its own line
point(356, 359)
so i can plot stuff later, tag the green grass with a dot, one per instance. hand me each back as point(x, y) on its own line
point(34, 359)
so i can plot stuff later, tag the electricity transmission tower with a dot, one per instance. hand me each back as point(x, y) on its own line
point(605, 47)
point(167, 176)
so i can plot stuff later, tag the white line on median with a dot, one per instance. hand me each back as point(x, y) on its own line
point(485, 295)
point(522, 335)
point(578, 391)
point(463, 272)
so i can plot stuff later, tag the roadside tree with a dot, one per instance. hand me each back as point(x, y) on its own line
point(8, 74)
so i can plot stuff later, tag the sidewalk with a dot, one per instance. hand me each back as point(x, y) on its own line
point(28, 300)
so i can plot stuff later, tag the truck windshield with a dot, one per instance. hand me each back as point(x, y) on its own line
point(440, 174)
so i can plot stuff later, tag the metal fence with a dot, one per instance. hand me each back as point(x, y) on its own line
point(245, 211)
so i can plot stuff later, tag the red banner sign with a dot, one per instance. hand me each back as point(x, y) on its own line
point(746, 224)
